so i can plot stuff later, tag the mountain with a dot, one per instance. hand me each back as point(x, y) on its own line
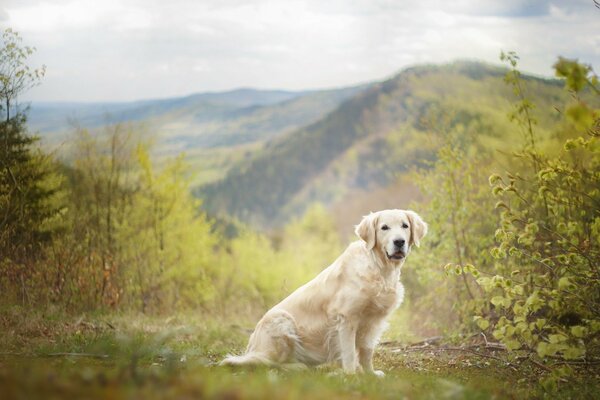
point(54, 116)
point(357, 157)
point(215, 130)
point(264, 156)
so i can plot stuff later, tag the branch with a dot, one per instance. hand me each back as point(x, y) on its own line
point(76, 355)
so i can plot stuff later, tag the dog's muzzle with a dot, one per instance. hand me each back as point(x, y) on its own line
point(397, 255)
point(399, 252)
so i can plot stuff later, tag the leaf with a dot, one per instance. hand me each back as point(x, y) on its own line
point(557, 338)
point(469, 268)
point(482, 323)
point(519, 290)
point(512, 344)
point(540, 323)
point(570, 144)
point(543, 190)
point(501, 204)
point(573, 352)
point(542, 349)
point(574, 72)
point(497, 190)
point(582, 116)
point(498, 301)
point(564, 283)
point(494, 178)
point(578, 331)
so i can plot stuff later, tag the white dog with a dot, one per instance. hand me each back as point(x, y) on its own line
point(340, 315)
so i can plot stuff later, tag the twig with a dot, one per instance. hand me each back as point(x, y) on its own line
point(484, 338)
point(21, 354)
point(539, 365)
point(492, 345)
point(12, 353)
point(468, 350)
point(489, 345)
point(76, 355)
point(465, 349)
point(582, 362)
point(427, 341)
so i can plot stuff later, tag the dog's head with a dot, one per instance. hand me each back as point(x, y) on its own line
point(392, 233)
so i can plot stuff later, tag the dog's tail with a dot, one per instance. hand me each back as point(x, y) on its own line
point(251, 358)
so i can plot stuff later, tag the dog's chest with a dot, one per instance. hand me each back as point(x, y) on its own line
point(386, 297)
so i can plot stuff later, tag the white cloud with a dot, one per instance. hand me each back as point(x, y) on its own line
point(78, 15)
point(120, 50)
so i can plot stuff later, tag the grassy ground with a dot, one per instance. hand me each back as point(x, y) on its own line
point(53, 356)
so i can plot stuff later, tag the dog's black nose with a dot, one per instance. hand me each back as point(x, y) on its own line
point(399, 242)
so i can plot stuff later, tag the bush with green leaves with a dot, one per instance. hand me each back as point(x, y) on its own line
point(546, 291)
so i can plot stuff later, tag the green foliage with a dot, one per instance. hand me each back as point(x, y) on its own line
point(135, 239)
point(577, 76)
point(29, 192)
point(527, 273)
point(265, 270)
point(455, 183)
point(30, 187)
point(16, 76)
point(545, 293)
point(138, 235)
point(165, 243)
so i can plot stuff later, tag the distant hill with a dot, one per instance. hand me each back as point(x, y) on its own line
point(215, 130)
point(263, 156)
point(362, 148)
point(54, 116)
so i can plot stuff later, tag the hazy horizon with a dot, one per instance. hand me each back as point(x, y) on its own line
point(119, 51)
point(273, 89)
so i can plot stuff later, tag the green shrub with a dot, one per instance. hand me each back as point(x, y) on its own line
point(546, 294)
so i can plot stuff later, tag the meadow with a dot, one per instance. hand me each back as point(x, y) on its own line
point(50, 355)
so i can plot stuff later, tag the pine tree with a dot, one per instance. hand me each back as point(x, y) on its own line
point(29, 185)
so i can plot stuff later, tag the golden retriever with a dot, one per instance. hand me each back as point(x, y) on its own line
point(340, 315)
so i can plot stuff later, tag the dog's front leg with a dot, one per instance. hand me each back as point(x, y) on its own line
point(347, 337)
point(368, 337)
point(365, 358)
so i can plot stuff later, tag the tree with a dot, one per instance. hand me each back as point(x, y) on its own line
point(455, 184)
point(102, 186)
point(16, 76)
point(29, 185)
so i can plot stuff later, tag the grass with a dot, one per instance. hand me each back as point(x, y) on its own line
point(49, 355)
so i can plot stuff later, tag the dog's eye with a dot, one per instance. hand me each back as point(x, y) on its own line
point(385, 228)
point(404, 226)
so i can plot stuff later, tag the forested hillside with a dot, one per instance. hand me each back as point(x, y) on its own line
point(367, 143)
point(215, 130)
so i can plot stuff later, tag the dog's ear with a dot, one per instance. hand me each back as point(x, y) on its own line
point(366, 230)
point(418, 228)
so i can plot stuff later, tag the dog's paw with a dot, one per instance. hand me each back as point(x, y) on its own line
point(379, 373)
point(338, 374)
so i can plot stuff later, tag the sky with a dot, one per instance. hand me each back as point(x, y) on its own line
point(121, 50)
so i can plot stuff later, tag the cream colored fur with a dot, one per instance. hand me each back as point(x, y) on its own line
point(340, 315)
